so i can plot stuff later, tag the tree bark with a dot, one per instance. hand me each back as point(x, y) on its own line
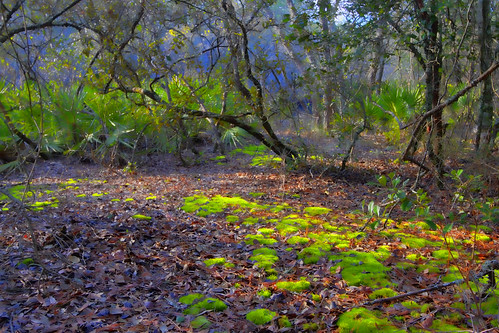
point(486, 111)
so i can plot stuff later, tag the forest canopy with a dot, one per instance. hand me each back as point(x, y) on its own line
point(90, 75)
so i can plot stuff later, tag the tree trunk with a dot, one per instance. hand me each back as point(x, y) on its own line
point(486, 111)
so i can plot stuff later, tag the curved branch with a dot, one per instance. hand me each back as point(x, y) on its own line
point(441, 106)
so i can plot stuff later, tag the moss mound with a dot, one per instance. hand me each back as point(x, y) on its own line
point(361, 320)
point(260, 316)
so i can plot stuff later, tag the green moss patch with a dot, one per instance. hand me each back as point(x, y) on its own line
point(209, 303)
point(312, 254)
point(214, 261)
point(141, 217)
point(359, 268)
point(204, 206)
point(383, 293)
point(441, 325)
point(266, 231)
point(297, 240)
point(265, 293)
point(444, 254)
point(261, 316)
point(314, 211)
point(250, 239)
point(189, 299)
point(264, 257)
point(415, 257)
point(361, 320)
point(296, 286)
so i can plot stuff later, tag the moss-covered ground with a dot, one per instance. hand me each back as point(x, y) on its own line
point(151, 252)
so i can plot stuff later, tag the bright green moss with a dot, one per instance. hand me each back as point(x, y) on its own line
point(415, 257)
point(297, 240)
point(189, 299)
point(453, 275)
point(312, 254)
point(265, 293)
point(214, 261)
point(382, 253)
point(356, 234)
point(251, 220)
point(359, 268)
point(316, 298)
point(264, 257)
point(260, 316)
point(209, 303)
point(411, 305)
point(265, 251)
point(250, 239)
point(266, 231)
point(314, 211)
point(444, 254)
point(217, 204)
point(361, 320)
point(415, 243)
point(285, 229)
point(232, 218)
point(296, 286)
point(441, 325)
point(383, 293)
point(192, 204)
point(141, 217)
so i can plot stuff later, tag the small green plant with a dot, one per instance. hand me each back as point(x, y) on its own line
point(397, 196)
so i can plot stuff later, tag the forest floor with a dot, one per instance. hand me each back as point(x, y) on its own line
point(169, 248)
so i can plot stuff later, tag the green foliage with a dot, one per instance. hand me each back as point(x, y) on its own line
point(395, 104)
point(260, 316)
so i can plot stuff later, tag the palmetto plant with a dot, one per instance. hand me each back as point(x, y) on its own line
point(394, 106)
